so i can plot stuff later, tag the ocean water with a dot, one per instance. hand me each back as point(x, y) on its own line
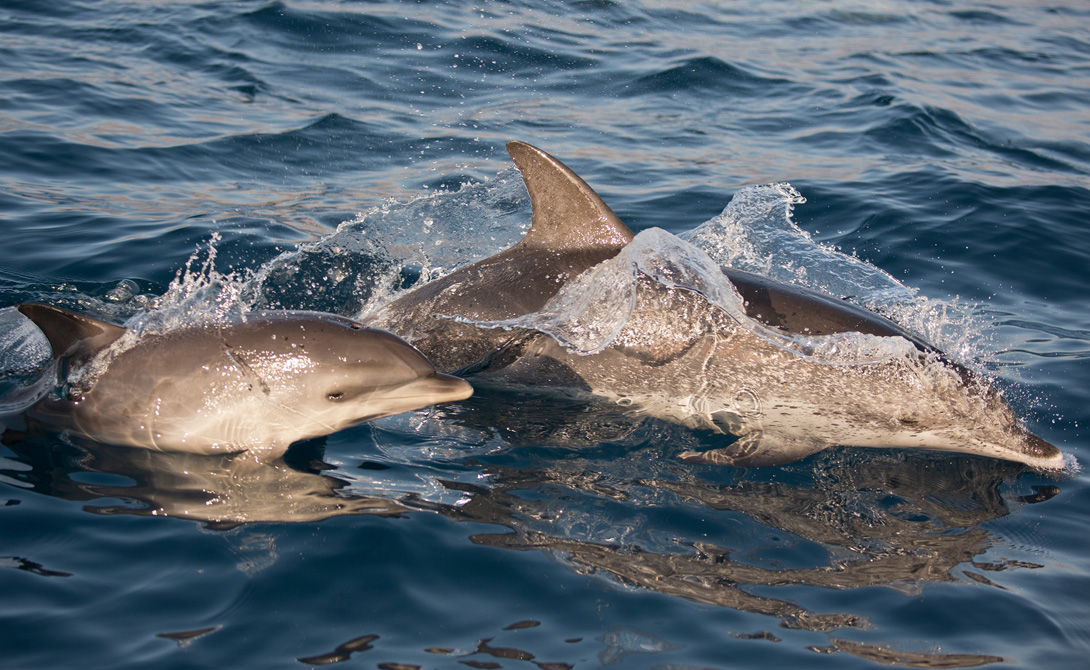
point(160, 160)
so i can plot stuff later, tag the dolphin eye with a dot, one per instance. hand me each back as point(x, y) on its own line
point(335, 396)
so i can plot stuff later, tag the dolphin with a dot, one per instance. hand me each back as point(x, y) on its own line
point(683, 354)
point(257, 383)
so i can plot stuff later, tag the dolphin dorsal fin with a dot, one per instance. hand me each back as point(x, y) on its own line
point(568, 213)
point(67, 330)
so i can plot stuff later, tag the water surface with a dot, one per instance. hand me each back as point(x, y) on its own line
point(945, 145)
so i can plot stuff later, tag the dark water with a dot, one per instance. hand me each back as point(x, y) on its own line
point(947, 144)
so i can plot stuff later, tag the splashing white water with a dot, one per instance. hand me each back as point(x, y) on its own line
point(372, 257)
point(198, 295)
point(23, 348)
point(589, 312)
point(756, 233)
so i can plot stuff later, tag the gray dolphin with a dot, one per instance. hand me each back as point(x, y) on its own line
point(681, 356)
point(257, 384)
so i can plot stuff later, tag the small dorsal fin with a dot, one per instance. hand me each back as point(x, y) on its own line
point(567, 212)
point(66, 330)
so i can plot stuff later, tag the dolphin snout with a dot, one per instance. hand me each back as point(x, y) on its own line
point(1041, 453)
point(436, 388)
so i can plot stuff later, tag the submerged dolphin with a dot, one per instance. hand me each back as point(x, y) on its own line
point(257, 384)
point(681, 355)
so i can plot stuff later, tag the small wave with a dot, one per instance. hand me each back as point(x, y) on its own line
point(706, 74)
point(303, 30)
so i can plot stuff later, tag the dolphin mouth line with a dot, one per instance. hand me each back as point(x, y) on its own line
point(454, 388)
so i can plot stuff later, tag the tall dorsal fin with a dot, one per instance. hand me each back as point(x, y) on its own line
point(568, 214)
point(67, 330)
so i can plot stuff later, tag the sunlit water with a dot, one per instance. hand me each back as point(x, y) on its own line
point(161, 163)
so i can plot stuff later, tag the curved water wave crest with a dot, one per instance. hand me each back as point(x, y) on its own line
point(588, 313)
point(757, 233)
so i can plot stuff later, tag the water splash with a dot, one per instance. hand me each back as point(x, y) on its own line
point(589, 313)
point(390, 248)
point(370, 259)
point(757, 233)
point(198, 295)
point(23, 348)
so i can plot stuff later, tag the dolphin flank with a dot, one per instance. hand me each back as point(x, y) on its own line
point(256, 384)
point(686, 356)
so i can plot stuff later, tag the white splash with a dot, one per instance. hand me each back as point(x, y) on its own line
point(590, 311)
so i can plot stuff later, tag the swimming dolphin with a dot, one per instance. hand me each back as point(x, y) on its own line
point(681, 356)
point(257, 384)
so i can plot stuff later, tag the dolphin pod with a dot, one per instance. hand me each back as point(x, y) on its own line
point(684, 354)
point(257, 384)
point(712, 349)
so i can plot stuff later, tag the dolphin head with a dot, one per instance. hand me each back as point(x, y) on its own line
point(336, 371)
point(980, 421)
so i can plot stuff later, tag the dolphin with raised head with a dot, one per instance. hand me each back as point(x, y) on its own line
point(255, 384)
point(733, 353)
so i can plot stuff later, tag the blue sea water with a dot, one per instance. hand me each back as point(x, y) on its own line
point(305, 152)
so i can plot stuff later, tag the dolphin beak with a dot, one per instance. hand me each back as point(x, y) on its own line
point(1038, 453)
point(1021, 447)
point(435, 389)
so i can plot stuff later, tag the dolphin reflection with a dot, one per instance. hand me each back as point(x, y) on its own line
point(221, 490)
point(898, 521)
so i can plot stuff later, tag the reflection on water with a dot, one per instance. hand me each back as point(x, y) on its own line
point(898, 524)
point(222, 491)
point(880, 527)
point(342, 652)
point(887, 656)
point(482, 648)
point(897, 521)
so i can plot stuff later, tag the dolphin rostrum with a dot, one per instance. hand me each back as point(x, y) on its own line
point(256, 384)
point(728, 351)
